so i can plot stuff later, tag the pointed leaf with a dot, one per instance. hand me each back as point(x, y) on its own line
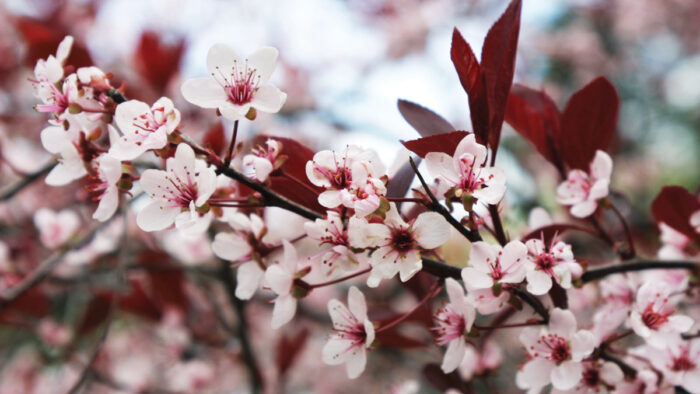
point(425, 121)
point(158, 61)
point(401, 181)
point(471, 78)
point(674, 205)
point(444, 142)
point(588, 123)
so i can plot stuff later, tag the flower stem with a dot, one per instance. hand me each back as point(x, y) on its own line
point(431, 293)
point(229, 153)
point(513, 325)
point(343, 279)
point(638, 265)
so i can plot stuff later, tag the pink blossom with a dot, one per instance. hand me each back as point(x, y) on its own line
point(653, 316)
point(56, 228)
point(178, 193)
point(105, 186)
point(353, 334)
point(491, 264)
point(480, 361)
point(331, 235)
point(582, 191)
point(555, 353)
point(399, 244)
point(264, 159)
point(598, 377)
point(454, 321)
point(142, 128)
point(678, 361)
point(236, 84)
point(70, 163)
point(280, 277)
point(549, 263)
point(464, 172)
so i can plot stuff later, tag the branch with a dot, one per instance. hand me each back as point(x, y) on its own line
point(10, 191)
point(497, 225)
point(639, 265)
point(472, 236)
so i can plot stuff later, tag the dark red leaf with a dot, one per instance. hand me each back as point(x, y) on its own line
point(674, 205)
point(444, 142)
point(425, 121)
point(533, 114)
point(95, 313)
point(157, 61)
point(401, 181)
point(32, 302)
point(588, 123)
point(472, 80)
point(169, 289)
point(42, 40)
point(288, 348)
point(138, 302)
point(498, 66)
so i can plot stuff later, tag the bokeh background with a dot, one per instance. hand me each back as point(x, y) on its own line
point(344, 64)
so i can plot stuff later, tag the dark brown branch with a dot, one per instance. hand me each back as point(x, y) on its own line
point(10, 191)
point(498, 225)
point(472, 236)
point(639, 265)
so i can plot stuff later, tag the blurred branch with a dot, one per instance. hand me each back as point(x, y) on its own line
point(10, 191)
point(639, 265)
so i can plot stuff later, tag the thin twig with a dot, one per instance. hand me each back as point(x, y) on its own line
point(27, 180)
point(229, 153)
point(472, 236)
point(639, 265)
point(434, 290)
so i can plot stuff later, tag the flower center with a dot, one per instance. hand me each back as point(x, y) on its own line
point(450, 326)
point(552, 347)
point(240, 84)
point(180, 192)
point(402, 240)
point(145, 124)
point(653, 319)
point(591, 377)
point(683, 362)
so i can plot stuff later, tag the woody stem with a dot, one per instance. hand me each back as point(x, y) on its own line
point(229, 153)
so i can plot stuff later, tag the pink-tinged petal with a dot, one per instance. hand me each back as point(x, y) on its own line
point(64, 47)
point(469, 146)
point(539, 217)
point(454, 355)
point(65, 173)
point(232, 111)
point(221, 58)
point(154, 182)
point(203, 92)
point(357, 304)
point(121, 149)
point(490, 195)
point(156, 216)
point(529, 337)
point(335, 351)
point(248, 277)
point(582, 344)
point(680, 323)
point(364, 207)
point(356, 362)
point(289, 258)
point(691, 380)
point(637, 325)
point(190, 223)
point(584, 209)
point(431, 230)
point(111, 168)
point(393, 218)
point(455, 293)
point(610, 373)
point(475, 279)
point(330, 198)
point(481, 255)
point(535, 373)
point(339, 314)
point(283, 311)
point(362, 234)
point(410, 265)
point(230, 246)
point(55, 140)
point(206, 183)
point(263, 61)
point(279, 280)
point(262, 167)
point(562, 322)
point(601, 166)
point(127, 111)
point(269, 99)
point(599, 189)
point(54, 69)
point(538, 282)
point(109, 202)
point(566, 375)
point(441, 165)
point(514, 255)
point(369, 331)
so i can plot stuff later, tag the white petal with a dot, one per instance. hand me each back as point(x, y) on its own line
point(454, 355)
point(339, 314)
point(230, 246)
point(455, 292)
point(584, 209)
point(232, 111)
point(475, 279)
point(562, 322)
point(582, 344)
point(127, 112)
point(441, 165)
point(468, 145)
point(221, 58)
point(431, 230)
point(357, 304)
point(538, 282)
point(410, 265)
point(269, 99)
point(55, 139)
point(248, 279)
point(610, 373)
point(156, 216)
point(335, 351)
point(329, 198)
point(203, 92)
point(66, 172)
point(263, 61)
point(154, 182)
point(535, 373)
point(289, 259)
point(602, 165)
point(109, 202)
point(279, 280)
point(566, 375)
point(283, 311)
point(355, 363)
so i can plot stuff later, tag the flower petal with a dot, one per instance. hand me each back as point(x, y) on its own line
point(283, 311)
point(221, 58)
point(203, 92)
point(566, 375)
point(248, 279)
point(431, 230)
point(357, 303)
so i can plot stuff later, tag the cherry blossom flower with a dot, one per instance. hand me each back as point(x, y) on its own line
point(555, 353)
point(53, 333)
point(454, 321)
point(49, 71)
point(178, 193)
point(142, 128)
point(70, 163)
point(464, 173)
point(645, 382)
point(239, 246)
point(280, 278)
point(331, 232)
point(353, 334)
point(399, 244)
point(538, 218)
point(491, 264)
point(597, 378)
point(674, 243)
point(678, 361)
point(486, 301)
point(105, 186)
point(546, 264)
point(56, 228)
point(264, 160)
point(355, 168)
point(653, 314)
point(582, 191)
point(617, 293)
point(236, 84)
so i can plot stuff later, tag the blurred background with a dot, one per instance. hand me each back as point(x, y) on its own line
point(343, 65)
